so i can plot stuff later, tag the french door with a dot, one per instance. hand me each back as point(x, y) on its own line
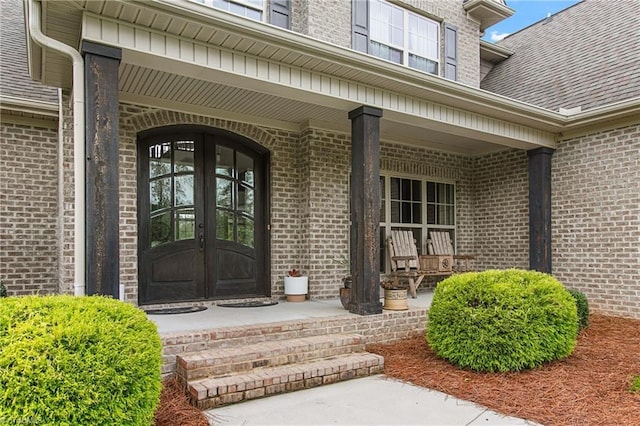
point(202, 209)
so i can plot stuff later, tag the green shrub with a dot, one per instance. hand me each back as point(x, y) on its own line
point(583, 308)
point(635, 384)
point(502, 320)
point(68, 360)
point(3, 290)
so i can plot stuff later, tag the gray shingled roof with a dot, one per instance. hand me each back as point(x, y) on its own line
point(14, 72)
point(585, 56)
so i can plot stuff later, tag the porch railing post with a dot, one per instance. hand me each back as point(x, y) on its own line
point(365, 210)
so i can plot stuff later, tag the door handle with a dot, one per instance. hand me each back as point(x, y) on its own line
point(201, 240)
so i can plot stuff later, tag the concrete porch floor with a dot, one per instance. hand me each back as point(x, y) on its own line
point(217, 317)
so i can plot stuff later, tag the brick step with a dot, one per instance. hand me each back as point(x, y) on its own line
point(388, 326)
point(235, 336)
point(224, 361)
point(265, 381)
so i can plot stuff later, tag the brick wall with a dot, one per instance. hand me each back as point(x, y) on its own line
point(596, 218)
point(330, 20)
point(501, 210)
point(326, 214)
point(67, 253)
point(29, 208)
point(327, 20)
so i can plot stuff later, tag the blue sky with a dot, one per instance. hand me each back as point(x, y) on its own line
point(527, 13)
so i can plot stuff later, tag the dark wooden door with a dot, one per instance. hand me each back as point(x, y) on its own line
point(201, 210)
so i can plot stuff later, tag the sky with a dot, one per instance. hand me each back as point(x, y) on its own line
point(526, 13)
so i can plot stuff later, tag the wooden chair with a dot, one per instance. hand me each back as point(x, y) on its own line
point(405, 263)
point(440, 244)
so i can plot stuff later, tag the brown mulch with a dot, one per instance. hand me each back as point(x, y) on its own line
point(175, 409)
point(591, 387)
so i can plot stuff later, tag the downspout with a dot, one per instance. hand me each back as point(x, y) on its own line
point(33, 13)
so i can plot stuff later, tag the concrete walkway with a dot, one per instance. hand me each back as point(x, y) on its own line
point(375, 400)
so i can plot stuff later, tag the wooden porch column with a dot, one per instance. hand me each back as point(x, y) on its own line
point(540, 209)
point(365, 210)
point(101, 149)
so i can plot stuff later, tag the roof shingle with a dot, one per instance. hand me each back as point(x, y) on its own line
point(14, 76)
point(585, 56)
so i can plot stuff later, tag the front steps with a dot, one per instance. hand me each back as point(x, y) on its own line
point(244, 371)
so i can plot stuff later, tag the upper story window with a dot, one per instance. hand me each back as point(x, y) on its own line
point(403, 37)
point(276, 12)
point(247, 8)
point(382, 29)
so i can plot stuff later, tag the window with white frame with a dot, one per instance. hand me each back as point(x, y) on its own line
point(416, 205)
point(403, 37)
point(253, 9)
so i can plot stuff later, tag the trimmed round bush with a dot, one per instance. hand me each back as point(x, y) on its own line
point(582, 304)
point(68, 360)
point(497, 321)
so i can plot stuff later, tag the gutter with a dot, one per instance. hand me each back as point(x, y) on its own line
point(33, 17)
point(618, 114)
point(30, 106)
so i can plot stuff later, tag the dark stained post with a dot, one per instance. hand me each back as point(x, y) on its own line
point(540, 209)
point(101, 190)
point(365, 210)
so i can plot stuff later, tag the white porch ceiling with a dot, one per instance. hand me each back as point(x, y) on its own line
point(164, 89)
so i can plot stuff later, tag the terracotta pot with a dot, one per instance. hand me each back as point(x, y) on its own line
point(345, 297)
point(296, 298)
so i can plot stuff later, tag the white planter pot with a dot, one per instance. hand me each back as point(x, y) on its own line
point(296, 286)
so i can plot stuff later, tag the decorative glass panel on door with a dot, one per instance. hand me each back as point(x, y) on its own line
point(235, 196)
point(171, 192)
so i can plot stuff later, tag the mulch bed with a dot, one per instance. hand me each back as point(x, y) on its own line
point(175, 409)
point(591, 387)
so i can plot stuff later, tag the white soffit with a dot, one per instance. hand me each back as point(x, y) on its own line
point(232, 66)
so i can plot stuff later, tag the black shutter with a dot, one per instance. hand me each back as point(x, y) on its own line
point(279, 14)
point(360, 25)
point(450, 52)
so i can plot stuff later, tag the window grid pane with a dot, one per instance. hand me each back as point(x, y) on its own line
point(406, 201)
point(248, 8)
point(404, 37)
point(235, 196)
point(440, 204)
point(171, 192)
